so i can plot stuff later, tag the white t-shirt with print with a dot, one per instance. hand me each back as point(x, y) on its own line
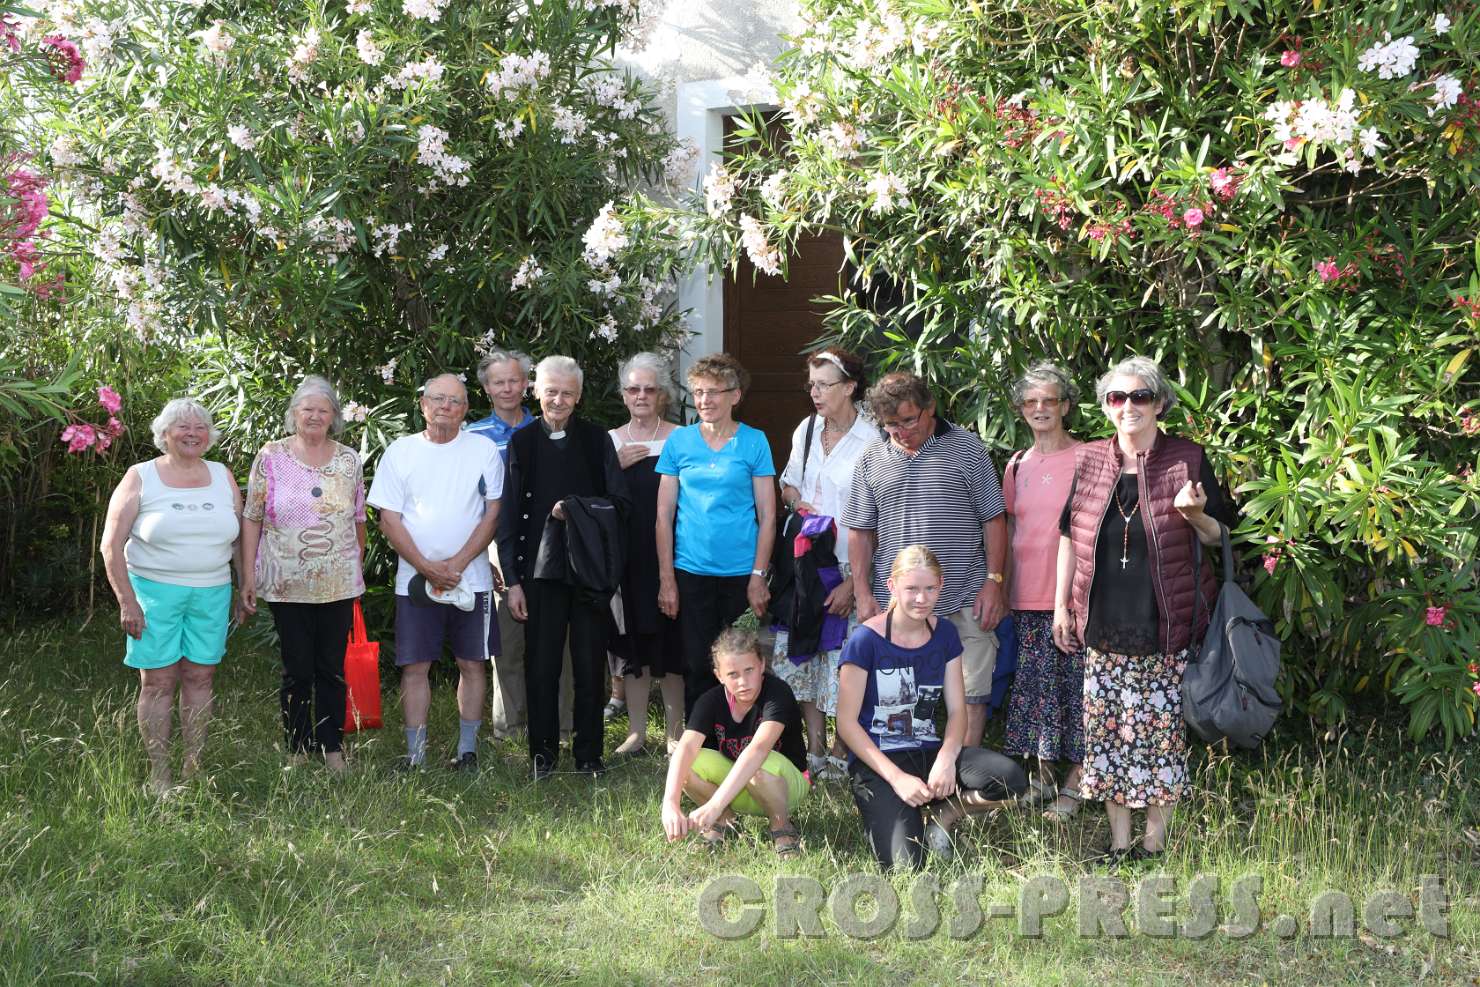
point(441, 490)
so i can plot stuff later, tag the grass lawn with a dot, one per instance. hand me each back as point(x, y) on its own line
point(264, 874)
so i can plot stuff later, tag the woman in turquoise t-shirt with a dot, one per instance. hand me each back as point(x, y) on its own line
point(717, 479)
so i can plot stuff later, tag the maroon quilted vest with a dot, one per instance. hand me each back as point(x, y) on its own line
point(1171, 541)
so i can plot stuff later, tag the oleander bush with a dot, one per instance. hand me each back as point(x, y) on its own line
point(1274, 198)
point(230, 195)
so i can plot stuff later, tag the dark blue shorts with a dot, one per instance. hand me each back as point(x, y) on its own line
point(422, 630)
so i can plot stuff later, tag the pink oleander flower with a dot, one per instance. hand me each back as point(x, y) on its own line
point(51, 288)
point(1328, 270)
point(8, 33)
point(114, 427)
point(21, 218)
point(1434, 616)
point(109, 399)
point(1476, 688)
point(1193, 218)
point(1271, 560)
point(79, 438)
point(65, 58)
point(1290, 58)
point(1224, 183)
point(28, 258)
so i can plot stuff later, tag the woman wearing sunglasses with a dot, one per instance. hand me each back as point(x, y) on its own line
point(1141, 506)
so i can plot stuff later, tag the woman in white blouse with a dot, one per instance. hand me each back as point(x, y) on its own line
point(817, 481)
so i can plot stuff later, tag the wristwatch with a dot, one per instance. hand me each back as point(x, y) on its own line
point(997, 577)
point(760, 572)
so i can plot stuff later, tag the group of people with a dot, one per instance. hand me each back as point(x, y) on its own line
point(544, 543)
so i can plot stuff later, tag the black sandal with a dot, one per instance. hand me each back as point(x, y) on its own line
point(1109, 858)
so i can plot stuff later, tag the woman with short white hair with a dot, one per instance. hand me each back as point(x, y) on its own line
point(1141, 506)
point(303, 537)
point(650, 646)
point(170, 538)
point(1045, 714)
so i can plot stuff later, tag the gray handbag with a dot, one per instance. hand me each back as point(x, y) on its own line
point(1229, 690)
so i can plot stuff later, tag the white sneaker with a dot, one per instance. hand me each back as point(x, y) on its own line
point(827, 768)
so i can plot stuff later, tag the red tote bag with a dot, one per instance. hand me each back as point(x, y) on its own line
point(362, 677)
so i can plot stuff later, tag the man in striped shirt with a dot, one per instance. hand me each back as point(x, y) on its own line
point(932, 484)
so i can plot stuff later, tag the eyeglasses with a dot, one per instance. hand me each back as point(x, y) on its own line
point(443, 400)
point(1140, 397)
point(705, 392)
point(903, 425)
point(633, 390)
point(821, 385)
point(1041, 402)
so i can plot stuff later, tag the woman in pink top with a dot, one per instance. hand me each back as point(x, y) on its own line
point(1044, 716)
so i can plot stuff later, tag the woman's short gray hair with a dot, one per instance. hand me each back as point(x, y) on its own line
point(313, 386)
point(1045, 374)
point(495, 357)
point(1151, 375)
point(177, 410)
point(662, 372)
point(560, 366)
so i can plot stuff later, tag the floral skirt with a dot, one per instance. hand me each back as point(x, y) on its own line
point(816, 679)
point(1045, 716)
point(1135, 741)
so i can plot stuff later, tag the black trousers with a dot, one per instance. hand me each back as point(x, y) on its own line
point(313, 637)
point(556, 610)
point(895, 828)
point(706, 606)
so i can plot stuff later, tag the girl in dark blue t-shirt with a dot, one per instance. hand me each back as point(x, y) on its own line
point(897, 670)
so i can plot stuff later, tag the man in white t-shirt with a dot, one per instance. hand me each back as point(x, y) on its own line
point(437, 494)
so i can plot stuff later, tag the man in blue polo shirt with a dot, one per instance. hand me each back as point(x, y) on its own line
point(505, 377)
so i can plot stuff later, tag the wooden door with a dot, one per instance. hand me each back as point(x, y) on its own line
point(768, 322)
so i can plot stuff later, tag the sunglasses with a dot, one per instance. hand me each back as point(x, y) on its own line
point(1140, 397)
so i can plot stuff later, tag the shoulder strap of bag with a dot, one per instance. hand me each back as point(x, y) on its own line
point(807, 454)
point(1197, 554)
point(1012, 464)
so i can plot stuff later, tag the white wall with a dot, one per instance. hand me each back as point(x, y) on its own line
point(702, 57)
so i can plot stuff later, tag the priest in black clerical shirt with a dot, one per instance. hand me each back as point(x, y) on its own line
point(556, 457)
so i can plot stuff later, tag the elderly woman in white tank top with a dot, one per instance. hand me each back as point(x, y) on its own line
point(170, 539)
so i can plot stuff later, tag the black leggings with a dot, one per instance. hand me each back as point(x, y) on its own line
point(894, 827)
point(313, 637)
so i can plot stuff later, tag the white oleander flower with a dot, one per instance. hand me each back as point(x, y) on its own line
point(365, 45)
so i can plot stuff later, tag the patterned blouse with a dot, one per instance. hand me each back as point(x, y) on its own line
point(309, 552)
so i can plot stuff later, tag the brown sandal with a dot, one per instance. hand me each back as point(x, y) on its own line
point(789, 849)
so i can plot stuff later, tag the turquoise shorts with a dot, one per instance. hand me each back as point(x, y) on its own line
point(179, 622)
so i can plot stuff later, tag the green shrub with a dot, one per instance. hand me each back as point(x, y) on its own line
point(1275, 199)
